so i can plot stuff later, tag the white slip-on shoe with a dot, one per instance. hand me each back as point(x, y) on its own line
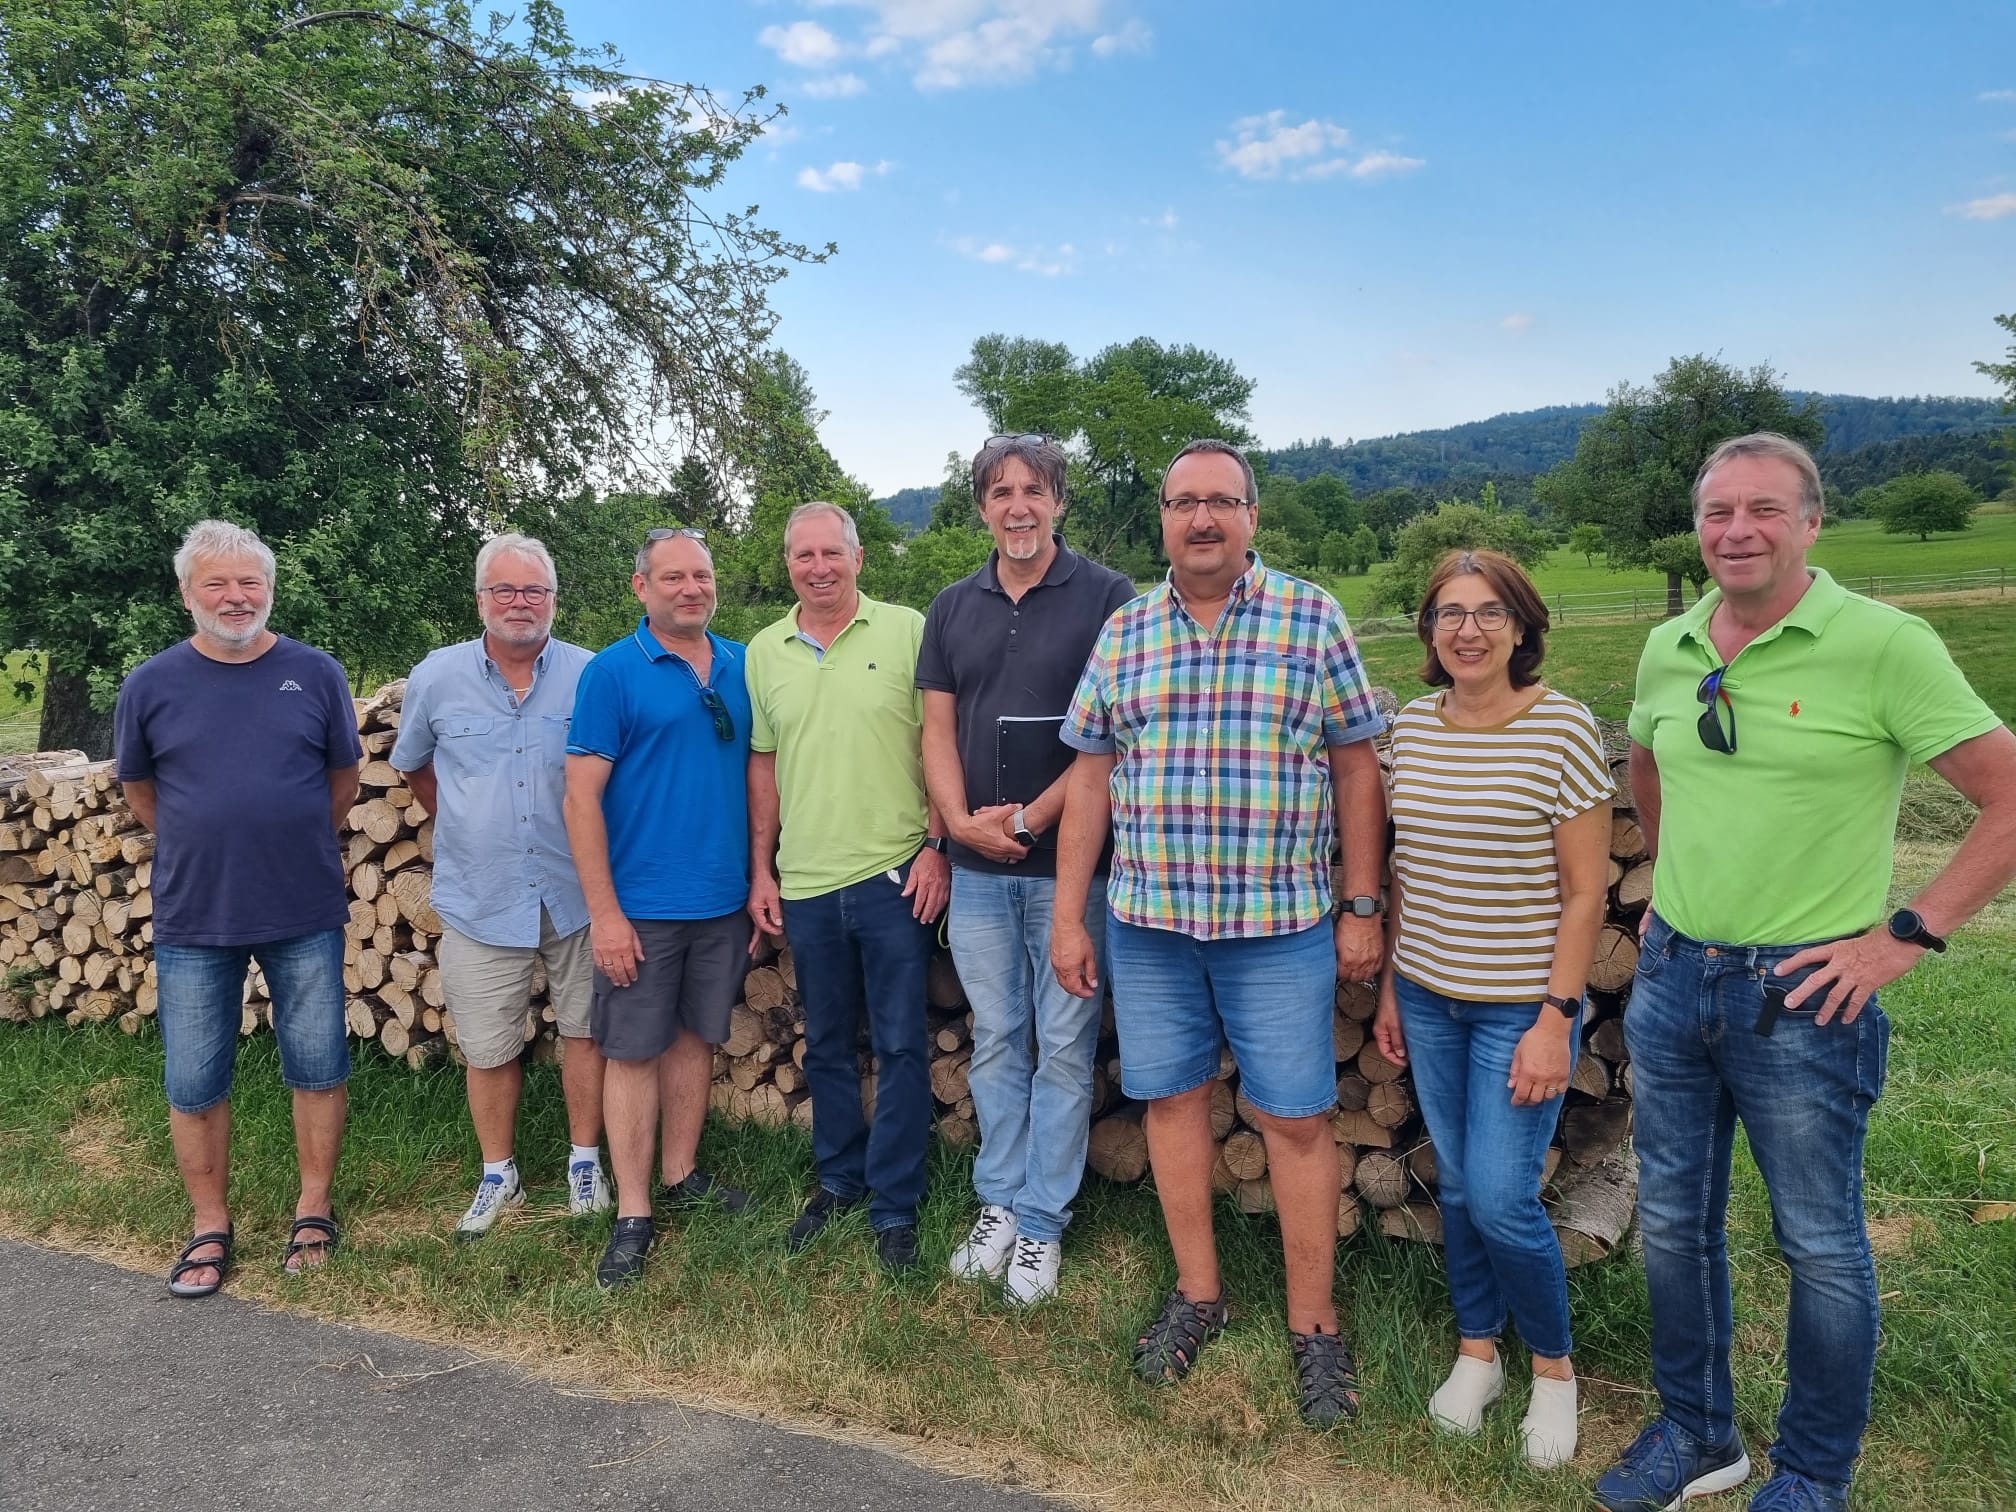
point(1032, 1275)
point(493, 1195)
point(984, 1255)
point(1459, 1402)
point(588, 1189)
point(1548, 1429)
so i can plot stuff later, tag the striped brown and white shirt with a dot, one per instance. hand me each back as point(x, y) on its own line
point(1474, 812)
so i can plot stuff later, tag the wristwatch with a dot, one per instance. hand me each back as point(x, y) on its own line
point(1019, 827)
point(1363, 906)
point(1568, 1008)
point(935, 842)
point(1907, 926)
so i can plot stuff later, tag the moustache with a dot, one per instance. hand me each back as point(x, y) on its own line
point(1205, 538)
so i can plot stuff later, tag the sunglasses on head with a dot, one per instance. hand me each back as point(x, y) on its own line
point(1032, 438)
point(1716, 697)
point(667, 532)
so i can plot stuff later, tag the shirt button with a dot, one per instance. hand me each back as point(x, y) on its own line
point(520, 750)
point(521, 784)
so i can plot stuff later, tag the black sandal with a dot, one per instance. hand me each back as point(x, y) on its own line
point(1173, 1341)
point(220, 1263)
point(1326, 1378)
point(296, 1244)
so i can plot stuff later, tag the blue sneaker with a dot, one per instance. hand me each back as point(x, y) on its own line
point(1789, 1491)
point(1664, 1466)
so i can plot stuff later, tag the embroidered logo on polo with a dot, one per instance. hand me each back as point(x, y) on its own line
point(290, 686)
point(1795, 708)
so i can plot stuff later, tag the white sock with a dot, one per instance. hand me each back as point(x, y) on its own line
point(585, 1155)
point(1459, 1402)
point(505, 1170)
point(1549, 1425)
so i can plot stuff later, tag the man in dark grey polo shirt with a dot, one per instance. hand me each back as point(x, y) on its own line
point(1002, 653)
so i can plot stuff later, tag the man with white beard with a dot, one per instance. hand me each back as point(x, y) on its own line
point(238, 748)
point(483, 744)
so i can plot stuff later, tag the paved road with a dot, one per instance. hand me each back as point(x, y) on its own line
point(115, 1397)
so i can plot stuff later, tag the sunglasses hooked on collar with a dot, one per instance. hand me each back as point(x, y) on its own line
point(1709, 726)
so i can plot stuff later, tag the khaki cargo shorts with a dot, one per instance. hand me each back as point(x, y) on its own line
point(489, 989)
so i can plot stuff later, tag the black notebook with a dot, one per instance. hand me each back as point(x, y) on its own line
point(1028, 757)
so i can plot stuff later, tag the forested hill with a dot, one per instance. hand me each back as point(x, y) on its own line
point(1532, 441)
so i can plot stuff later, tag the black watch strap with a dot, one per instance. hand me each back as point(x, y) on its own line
point(1567, 1007)
point(935, 842)
point(1907, 925)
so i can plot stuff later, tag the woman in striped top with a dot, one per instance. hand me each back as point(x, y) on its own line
point(1501, 819)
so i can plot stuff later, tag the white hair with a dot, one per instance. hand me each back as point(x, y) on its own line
point(819, 507)
point(513, 544)
point(222, 539)
point(1812, 497)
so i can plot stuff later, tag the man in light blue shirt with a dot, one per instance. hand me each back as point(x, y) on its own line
point(483, 744)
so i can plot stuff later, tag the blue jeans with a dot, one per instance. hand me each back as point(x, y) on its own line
point(1035, 1109)
point(1489, 1156)
point(202, 1003)
point(1178, 1001)
point(1804, 1095)
point(859, 949)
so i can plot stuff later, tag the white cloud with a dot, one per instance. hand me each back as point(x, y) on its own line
point(1166, 221)
point(1045, 261)
point(1994, 207)
point(1998, 96)
point(1133, 37)
point(1270, 146)
point(803, 44)
point(1517, 322)
point(846, 175)
point(834, 87)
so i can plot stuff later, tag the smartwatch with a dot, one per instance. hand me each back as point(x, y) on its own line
point(1363, 906)
point(935, 842)
point(1019, 827)
point(1906, 925)
point(1568, 1008)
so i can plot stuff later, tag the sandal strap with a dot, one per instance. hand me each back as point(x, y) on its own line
point(222, 1239)
point(1327, 1375)
point(1173, 1341)
point(313, 1223)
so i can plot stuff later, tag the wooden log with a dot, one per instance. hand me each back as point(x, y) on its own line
point(948, 1077)
point(1607, 1040)
point(1381, 1178)
point(1594, 1207)
point(1627, 840)
point(1117, 1147)
point(1616, 959)
point(1347, 1036)
point(1389, 1104)
point(1224, 1110)
point(1350, 1215)
point(1590, 1131)
point(1421, 1163)
point(942, 988)
point(1354, 1126)
point(1353, 1092)
point(1245, 1155)
point(1591, 1076)
point(1634, 888)
point(745, 1032)
point(763, 988)
point(1255, 1196)
point(1375, 1067)
point(1357, 1001)
point(414, 888)
point(1420, 1221)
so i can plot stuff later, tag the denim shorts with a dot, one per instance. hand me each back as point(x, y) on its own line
point(1177, 1001)
point(202, 1004)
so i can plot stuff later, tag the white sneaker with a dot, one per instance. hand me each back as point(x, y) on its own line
point(1548, 1429)
point(588, 1189)
point(493, 1195)
point(1459, 1402)
point(1032, 1276)
point(985, 1252)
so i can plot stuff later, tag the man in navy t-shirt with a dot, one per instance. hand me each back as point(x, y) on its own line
point(238, 748)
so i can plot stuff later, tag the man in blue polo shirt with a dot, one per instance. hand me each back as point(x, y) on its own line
point(658, 816)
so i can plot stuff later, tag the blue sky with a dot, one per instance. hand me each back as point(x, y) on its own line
point(1391, 217)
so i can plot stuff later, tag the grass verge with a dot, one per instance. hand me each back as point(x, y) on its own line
point(951, 1376)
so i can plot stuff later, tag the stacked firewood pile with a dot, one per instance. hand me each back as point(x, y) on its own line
point(75, 933)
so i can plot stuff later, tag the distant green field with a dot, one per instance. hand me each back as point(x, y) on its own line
point(1599, 663)
point(18, 721)
point(1852, 550)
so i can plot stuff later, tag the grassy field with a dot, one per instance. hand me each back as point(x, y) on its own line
point(19, 718)
point(1852, 550)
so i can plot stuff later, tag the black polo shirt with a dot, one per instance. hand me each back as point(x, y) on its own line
point(1015, 662)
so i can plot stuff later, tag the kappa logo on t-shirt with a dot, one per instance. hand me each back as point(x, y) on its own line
point(290, 686)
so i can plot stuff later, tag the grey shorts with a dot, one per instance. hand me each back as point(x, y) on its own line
point(690, 977)
point(489, 989)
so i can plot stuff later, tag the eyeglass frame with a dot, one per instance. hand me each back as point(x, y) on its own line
point(1709, 725)
point(1210, 502)
point(673, 532)
point(1034, 438)
point(1434, 617)
point(716, 706)
point(511, 593)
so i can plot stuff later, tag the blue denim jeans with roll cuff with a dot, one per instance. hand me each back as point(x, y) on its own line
point(860, 949)
point(1033, 1044)
point(1489, 1157)
point(202, 1004)
point(1700, 1060)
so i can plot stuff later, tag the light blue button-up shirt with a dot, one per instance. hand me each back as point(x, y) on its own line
point(500, 764)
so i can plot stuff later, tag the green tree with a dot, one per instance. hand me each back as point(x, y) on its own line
point(1677, 556)
point(1452, 527)
point(373, 280)
point(1633, 470)
point(1585, 541)
point(1279, 549)
point(2003, 373)
point(1329, 498)
point(1388, 510)
point(1334, 554)
point(1921, 503)
point(1364, 549)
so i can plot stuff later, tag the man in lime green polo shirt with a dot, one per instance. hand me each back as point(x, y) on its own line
point(1773, 726)
point(836, 797)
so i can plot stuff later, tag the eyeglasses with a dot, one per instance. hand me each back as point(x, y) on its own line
point(1031, 438)
point(1490, 617)
point(666, 533)
point(1220, 505)
point(1716, 697)
point(724, 722)
point(533, 596)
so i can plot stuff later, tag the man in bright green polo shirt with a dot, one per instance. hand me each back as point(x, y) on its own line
point(836, 797)
point(1773, 726)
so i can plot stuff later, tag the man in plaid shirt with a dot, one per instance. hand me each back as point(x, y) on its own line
point(1224, 727)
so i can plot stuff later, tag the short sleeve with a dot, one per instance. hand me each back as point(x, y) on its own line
point(1088, 723)
point(1585, 770)
point(129, 735)
point(1349, 714)
point(597, 726)
point(415, 746)
point(1921, 699)
point(340, 744)
point(934, 667)
point(762, 734)
point(1641, 723)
